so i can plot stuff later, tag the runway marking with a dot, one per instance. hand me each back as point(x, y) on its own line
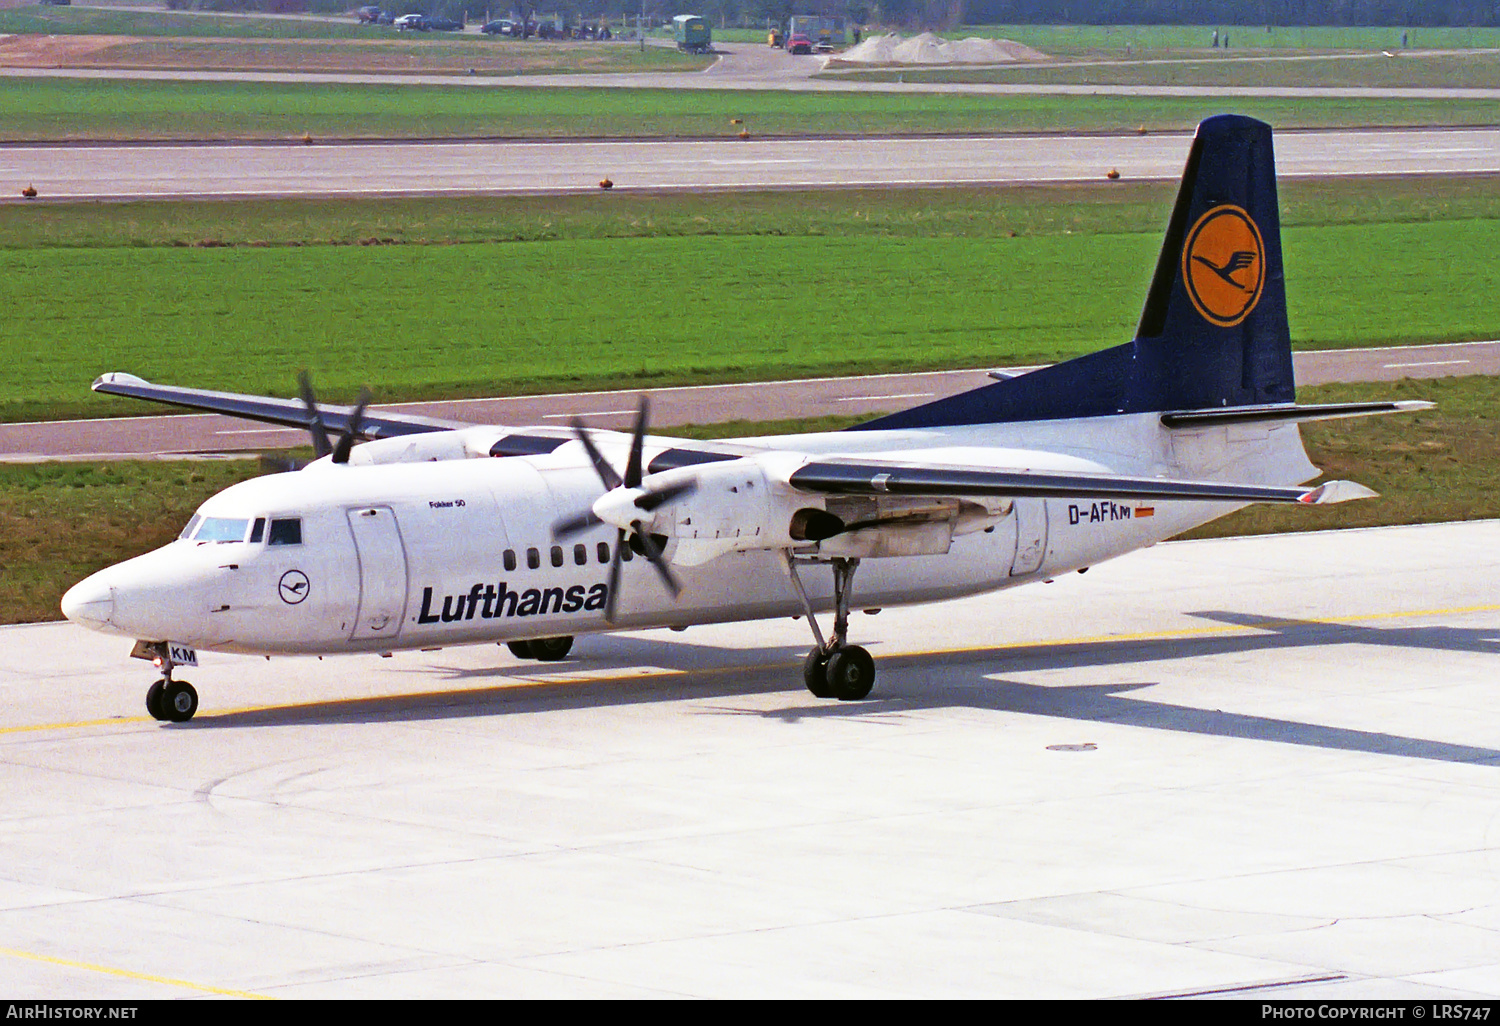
point(529, 682)
point(1425, 363)
point(871, 398)
point(130, 975)
point(591, 413)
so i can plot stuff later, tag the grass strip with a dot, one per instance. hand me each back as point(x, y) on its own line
point(62, 521)
point(81, 109)
point(422, 322)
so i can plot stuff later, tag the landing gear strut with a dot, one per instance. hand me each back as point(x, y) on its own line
point(835, 668)
point(168, 699)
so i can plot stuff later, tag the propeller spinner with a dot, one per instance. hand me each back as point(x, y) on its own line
point(623, 502)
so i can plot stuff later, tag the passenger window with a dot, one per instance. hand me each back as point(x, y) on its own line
point(533, 558)
point(604, 552)
point(580, 554)
point(510, 559)
point(286, 532)
point(626, 552)
point(557, 555)
point(258, 531)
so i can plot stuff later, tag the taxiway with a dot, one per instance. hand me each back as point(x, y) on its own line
point(864, 395)
point(1257, 767)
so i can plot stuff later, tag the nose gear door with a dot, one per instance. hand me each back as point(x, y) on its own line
point(382, 572)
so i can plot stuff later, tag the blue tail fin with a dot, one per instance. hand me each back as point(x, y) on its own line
point(1214, 329)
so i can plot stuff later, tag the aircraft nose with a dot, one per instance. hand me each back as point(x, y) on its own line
point(90, 603)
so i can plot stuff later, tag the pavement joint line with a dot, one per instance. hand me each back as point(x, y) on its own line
point(132, 975)
point(536, 684)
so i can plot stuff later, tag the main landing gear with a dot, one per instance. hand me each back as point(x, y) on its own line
point(547, 650)
point(835, 669)
point(168, 699)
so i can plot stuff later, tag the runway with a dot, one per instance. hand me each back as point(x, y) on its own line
point(144, 436)
point(499, 168)
point(1259, 768)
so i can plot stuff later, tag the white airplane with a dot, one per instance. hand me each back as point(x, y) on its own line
point(434, 533)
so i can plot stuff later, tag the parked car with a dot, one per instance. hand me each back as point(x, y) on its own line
point(411, 22)
point(501, 27)
point(444, 25)
point(799, 44)
point(368, 15)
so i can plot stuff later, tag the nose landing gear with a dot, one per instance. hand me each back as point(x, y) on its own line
point(168, 699)
point(835, 669)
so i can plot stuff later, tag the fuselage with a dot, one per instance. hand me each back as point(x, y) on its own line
point(379, 556)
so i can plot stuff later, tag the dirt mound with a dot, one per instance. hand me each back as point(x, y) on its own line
point(930, 49)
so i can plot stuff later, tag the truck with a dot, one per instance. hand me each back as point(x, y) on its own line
point(692, 34)
point(824, 32)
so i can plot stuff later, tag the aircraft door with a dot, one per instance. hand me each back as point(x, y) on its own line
point(1031, 536)
point(382, 572)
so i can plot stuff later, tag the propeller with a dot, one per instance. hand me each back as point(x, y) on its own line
point(624, 496)
point(319, 431)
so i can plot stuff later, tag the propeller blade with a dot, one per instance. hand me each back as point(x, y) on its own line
point(351, 431)
point(569, 526)
point(651, 500)
point(321, 446)
point(637, 442)
point(614, 577)
point(601, 465)
point(648, 546)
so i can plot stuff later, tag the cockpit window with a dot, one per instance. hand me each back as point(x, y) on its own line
point(286, 531)
point(258, 531)
point(221, 529)
point(192, 525)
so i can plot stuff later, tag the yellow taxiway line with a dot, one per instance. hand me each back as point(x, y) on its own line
point(526, 685)
point(130, 975)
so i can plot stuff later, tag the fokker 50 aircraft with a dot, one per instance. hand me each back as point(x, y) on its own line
point(434, 533)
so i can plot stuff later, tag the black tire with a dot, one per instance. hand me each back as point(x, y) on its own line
point(153, 700)
point(520, 649)
point(550, 650)
point(179, 701)
point(851, 674)
point(815, 674)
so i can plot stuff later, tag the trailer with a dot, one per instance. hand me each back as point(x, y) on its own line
point(825, 33)
point(692, 34)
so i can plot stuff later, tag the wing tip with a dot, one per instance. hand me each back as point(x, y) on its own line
point(1330, 492)
point(116, 378)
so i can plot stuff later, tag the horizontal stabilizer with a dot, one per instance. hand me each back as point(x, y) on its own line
point(269, 410)
point(1330, 492)
point(1285, 413)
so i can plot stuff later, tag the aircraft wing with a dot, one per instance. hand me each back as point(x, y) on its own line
point(882, 477)
point(268, 410)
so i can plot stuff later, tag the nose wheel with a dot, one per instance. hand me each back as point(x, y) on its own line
point(835, 669)
point(172, 700)
point(168, 699)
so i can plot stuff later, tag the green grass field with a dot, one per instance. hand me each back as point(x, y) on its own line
point(62, 521)
point(60, 109)
point(1111, 40)
point(99, 21)
point(604, 291)
point(1434, 70)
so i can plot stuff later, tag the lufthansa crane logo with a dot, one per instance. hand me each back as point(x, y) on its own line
point(293, 587)
point(1224, 265)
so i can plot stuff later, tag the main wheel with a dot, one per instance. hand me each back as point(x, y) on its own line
point(815, 674)
point(550, 650)
point(520, 649)
point(153, 700)
point(851, 673)
point(179, 701)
